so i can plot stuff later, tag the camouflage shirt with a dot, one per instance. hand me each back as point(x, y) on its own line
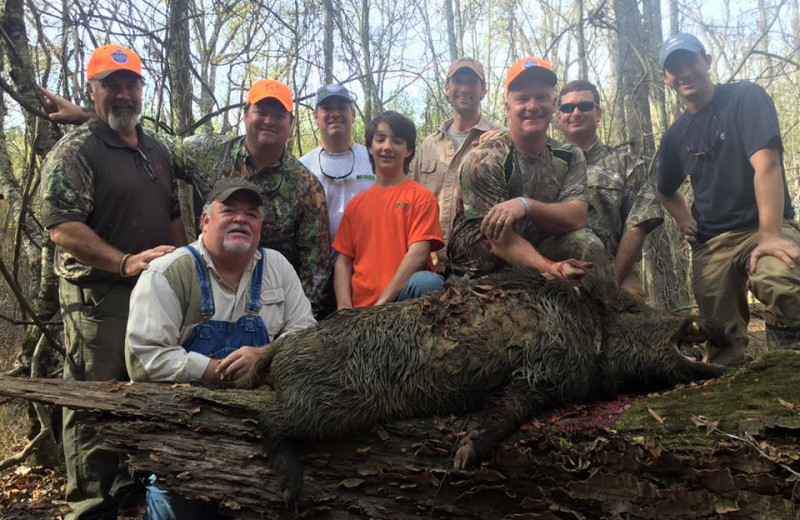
point(497, 171)
point(124, 194)
point(295, 213)
point(621, 195)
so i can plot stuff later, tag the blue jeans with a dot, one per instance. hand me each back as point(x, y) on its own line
point(164, 505)
point(420, 283)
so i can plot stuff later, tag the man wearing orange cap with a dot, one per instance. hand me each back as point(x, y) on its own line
point(110, 207)
point(295, 212)
point(524, 196)
point(441, 153)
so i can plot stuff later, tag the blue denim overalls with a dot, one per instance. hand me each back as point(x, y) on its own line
point(215, 339)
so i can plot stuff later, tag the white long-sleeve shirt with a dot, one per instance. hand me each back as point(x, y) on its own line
point(165, 307)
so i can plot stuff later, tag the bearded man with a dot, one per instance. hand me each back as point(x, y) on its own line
point(109, 205)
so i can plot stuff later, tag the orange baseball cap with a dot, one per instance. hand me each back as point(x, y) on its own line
point(530, 65)
point(108, 59)
point(271, 89)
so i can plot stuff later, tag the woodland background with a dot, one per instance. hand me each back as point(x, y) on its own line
point(201, 56)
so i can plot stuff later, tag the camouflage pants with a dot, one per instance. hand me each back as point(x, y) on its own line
point(721, 278)
point(582, 244)
point(95, 316)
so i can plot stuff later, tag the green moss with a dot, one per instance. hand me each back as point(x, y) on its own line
point(749, 394)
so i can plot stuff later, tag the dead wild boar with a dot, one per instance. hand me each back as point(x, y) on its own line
point(511, 341)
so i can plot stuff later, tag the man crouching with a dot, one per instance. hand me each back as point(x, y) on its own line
point(206, 311)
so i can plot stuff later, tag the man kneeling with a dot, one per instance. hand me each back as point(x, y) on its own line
point(206, 311)
point(388, 232)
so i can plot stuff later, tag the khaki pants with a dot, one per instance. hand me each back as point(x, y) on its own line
point(720, 279)
point(95, 316)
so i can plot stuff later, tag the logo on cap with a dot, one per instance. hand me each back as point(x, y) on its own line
point(334, 88)
point(119, 56)
point(531, 63)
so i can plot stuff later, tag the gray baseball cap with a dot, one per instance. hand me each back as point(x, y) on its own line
point(680, 42)
point(329, 91)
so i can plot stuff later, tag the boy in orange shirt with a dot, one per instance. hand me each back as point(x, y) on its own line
point(388, 232)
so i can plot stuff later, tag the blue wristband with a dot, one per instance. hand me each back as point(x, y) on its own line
point(525, 203)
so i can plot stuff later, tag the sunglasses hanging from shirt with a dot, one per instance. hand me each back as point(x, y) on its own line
point(706, 141)
point(352, 165)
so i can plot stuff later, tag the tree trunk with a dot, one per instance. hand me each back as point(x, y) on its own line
point(452, 40)
point(674, 18)
point(633, 77)
point(667, 263)
point(327, 42)
point(40, 284)
point(180, 81)
point(583, 66)
point(367, 82)
point(653, 457)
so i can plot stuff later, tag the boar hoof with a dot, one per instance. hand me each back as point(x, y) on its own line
point(467, 455)
point(290, 499)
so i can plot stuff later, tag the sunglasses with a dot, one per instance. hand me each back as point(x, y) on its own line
point(705, 151)
point(147, 166)
point(583, 106)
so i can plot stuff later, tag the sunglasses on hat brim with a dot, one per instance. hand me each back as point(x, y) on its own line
point(583, 106)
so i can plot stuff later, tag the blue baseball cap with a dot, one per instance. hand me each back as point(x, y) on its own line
point(329, 91)
point(680, 42)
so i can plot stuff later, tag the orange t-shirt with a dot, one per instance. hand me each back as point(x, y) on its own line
point(377, 228)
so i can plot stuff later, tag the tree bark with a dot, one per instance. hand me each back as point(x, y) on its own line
point(367, 82)
point(40, 284)
point(180, 82)
point(583, 66)
point(654, 457)
point(327, 42)
point(452, 40)
point(633, 76)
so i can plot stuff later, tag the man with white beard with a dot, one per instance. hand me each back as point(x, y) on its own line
point(205, 312)
point(109, 205)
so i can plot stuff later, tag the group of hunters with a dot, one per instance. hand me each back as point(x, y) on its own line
point(286, 241)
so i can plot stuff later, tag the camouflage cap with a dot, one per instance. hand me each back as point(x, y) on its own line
point(224, 188)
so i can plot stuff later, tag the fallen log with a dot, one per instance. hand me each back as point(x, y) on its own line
point(659, 456)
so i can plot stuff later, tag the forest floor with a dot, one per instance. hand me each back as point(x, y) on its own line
point(31, 492)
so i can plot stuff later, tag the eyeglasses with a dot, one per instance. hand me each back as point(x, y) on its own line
point(147, 166)
point(583, 106)
point(702, 152)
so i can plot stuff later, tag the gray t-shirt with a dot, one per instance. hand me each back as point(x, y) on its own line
point(457, 138)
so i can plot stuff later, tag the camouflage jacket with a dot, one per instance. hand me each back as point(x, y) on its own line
point(621, 195)
point(497, 171)
point(124, 194)
point(295, 213)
